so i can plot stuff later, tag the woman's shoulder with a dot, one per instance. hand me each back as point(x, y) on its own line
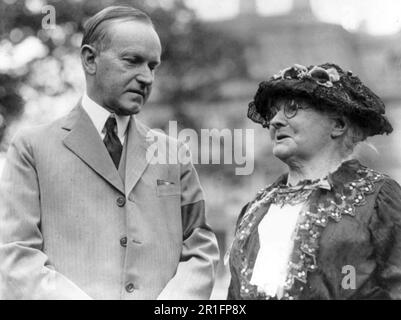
point(382, 183)
point(352, 176)
point(388, 197)
point(385, 192)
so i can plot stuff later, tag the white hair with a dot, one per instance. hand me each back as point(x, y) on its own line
point(353, 136)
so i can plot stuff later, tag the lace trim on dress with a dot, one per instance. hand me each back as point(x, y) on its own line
point(342, 200)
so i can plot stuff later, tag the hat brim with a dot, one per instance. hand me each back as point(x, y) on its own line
point(362, 107)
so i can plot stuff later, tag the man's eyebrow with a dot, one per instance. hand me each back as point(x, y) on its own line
point(128, 52)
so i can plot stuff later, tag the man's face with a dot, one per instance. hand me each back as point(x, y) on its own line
point(125, 69)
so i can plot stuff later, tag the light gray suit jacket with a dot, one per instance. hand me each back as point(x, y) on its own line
point(72, 227)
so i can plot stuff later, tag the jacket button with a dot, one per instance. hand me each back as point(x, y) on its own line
point(121, 201)
point(130, 287)
point(123, 242)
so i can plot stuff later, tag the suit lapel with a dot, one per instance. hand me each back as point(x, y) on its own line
point(85, 142)
point(136, 161)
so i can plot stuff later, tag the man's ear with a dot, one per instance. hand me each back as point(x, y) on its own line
point(340, 126)
point(88, 55)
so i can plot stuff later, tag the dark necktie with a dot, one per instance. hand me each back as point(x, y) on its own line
point(112, 142)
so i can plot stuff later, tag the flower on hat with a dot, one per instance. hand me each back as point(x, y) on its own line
point(297, 71)
point(333, 74)
point(320, 75)
point(324, 77)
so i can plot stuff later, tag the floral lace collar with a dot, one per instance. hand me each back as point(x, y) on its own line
point(348, 187)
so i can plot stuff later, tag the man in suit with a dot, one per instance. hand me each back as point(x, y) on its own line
point(84, 213)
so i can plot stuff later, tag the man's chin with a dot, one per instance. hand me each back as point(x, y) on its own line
point(129, 110)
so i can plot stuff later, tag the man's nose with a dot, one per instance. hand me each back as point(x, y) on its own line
point(145, 76)
point(279, 120)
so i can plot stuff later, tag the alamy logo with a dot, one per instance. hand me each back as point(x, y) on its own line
point(49, 20)
point(349, 280)
point(237, 147)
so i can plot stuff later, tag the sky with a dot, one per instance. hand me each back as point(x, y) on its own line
point(378, 17)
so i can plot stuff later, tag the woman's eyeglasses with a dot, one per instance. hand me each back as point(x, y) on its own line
point(290, 110)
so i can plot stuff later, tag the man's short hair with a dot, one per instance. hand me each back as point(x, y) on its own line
point(95, 28)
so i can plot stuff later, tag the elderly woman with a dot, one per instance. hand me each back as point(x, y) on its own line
point(330, 228)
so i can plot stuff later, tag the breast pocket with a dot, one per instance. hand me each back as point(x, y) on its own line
point(168, 190)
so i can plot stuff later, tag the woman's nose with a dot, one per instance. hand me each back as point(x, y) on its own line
point(279, 120)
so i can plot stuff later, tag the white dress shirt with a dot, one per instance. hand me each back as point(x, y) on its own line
point(276, 238)
point(99, 115)
point(277, 232)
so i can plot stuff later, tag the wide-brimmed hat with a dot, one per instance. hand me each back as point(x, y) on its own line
point(328, 87)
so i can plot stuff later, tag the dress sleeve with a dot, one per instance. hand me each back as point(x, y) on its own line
point(387, 236)
point(234, 287)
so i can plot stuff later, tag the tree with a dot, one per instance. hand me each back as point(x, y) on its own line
point(11, 104)
point(196, 59)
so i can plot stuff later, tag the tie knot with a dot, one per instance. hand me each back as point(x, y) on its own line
point(111, 125)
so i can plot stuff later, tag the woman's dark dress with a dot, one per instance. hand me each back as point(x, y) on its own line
point(352, 229)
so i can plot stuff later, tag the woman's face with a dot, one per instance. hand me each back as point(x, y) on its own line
point(302, 136)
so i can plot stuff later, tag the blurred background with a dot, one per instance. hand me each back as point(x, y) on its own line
point(214, 55)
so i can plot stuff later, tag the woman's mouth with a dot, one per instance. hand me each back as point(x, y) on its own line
point(281, 136)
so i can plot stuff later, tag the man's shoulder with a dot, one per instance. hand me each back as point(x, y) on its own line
point(41, 132)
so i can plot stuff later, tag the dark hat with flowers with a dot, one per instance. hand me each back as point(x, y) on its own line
point(327, 87)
